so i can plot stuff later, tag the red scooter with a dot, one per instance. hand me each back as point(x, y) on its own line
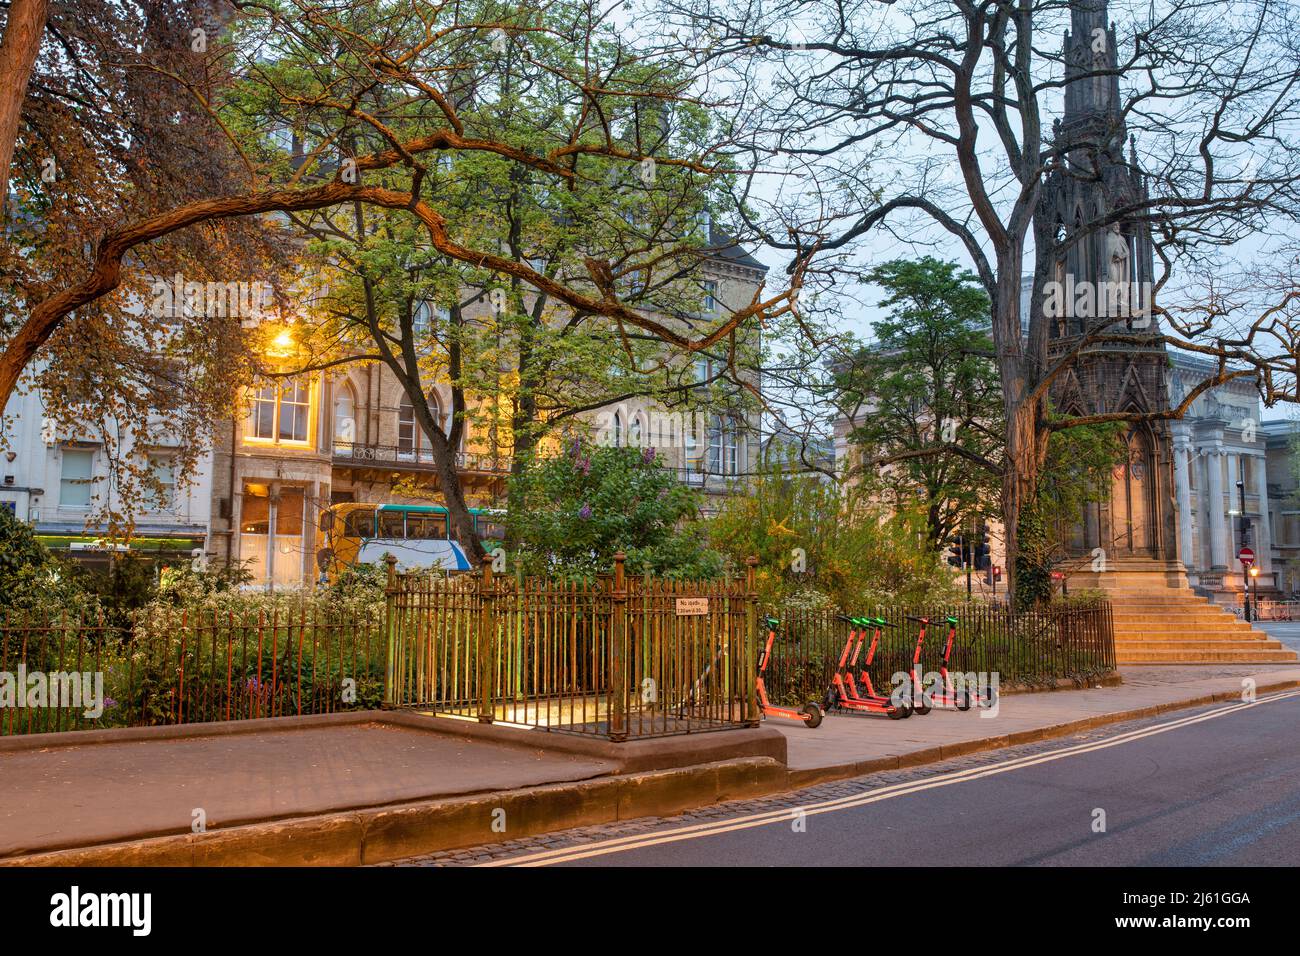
point(843, 692)
point(809, 714)
point(948, 696)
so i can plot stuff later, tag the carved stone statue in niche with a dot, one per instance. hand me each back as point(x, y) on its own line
point(1117, 269)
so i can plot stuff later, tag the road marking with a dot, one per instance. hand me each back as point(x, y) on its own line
point(694, 831)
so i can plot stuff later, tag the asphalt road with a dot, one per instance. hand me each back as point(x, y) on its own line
point(1288, 632)
point(1214, 786)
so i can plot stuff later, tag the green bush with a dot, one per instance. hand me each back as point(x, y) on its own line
point(572, 513)
point(35, 580)
point(814, 537)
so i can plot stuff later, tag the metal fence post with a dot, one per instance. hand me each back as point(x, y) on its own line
point(390, 632)
point(749, 645)
point(618, 653)
point(486, 641)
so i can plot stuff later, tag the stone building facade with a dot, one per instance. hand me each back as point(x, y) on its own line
point(351, 435)
point(1220, 464)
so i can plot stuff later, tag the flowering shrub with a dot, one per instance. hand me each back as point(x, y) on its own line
point(577, 510)
point(819, 542)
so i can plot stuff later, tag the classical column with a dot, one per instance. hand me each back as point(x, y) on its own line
point(1263, 533)
point(1183, 492)
point(1214, 510)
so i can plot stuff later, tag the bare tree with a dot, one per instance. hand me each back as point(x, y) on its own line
point(913, 121)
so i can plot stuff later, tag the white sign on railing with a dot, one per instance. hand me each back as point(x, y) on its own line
point(689, 606)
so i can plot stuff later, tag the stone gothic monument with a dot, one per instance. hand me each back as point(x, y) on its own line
point(1127, 544)
point(1105, 274)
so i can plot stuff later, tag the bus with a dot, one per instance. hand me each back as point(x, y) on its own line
point(418, 536)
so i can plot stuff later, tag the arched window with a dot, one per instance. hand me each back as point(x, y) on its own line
point(635, 432)
point(412, 441)
point(617, 433)
point(1131, 499)
point(345, 417)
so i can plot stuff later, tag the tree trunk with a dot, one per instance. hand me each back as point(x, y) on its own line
point(18, 49)
point(1022, 461)
point(523, 437)
point(1019, 480)
point(462, 522)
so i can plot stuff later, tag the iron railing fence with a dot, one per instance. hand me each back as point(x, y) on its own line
point(1266, 610)
point(187, 667)
point(618, 657)
point(1027, 648)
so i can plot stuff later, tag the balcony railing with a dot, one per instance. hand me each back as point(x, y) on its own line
point(411, 459)
point(408, 459)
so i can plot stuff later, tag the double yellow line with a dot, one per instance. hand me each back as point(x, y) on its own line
point(785, 814)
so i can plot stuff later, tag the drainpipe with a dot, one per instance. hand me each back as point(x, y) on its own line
point(230, 521)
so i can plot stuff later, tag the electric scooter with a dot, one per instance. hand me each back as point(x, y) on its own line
point(920, 700)
point(843, 692)
point(950, 696)
point(809, 714)
point(875, 623)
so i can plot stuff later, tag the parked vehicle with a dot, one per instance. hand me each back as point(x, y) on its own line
point(947, 695)
point(418, 536)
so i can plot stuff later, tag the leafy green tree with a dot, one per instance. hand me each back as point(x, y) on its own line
point(839, 540)
point(520, 361)
point(929, 396)
point(1075, 475)
point(580, 508)
point(32, 578)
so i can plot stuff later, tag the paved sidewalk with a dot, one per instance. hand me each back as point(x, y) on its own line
point(100, 793)
point(843, 740)
point(369, 791)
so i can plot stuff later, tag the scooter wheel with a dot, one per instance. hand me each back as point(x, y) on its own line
point(921, 708)
point(963, 701)
point(897, 713)
point(814, 714)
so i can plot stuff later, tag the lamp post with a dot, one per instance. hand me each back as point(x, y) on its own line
point(1254, 587)
point(1245, 531)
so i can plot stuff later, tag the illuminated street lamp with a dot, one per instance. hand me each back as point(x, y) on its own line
point(282, 344)
point(1254, 588)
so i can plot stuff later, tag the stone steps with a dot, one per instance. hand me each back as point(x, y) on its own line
point(1229, 655)
point(1129, 622)
point(1158, 618)
point(1205, 641)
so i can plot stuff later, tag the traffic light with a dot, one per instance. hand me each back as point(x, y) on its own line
point(957, 552)
point(982, 556)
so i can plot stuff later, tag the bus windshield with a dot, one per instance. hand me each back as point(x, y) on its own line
point(360, 523)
